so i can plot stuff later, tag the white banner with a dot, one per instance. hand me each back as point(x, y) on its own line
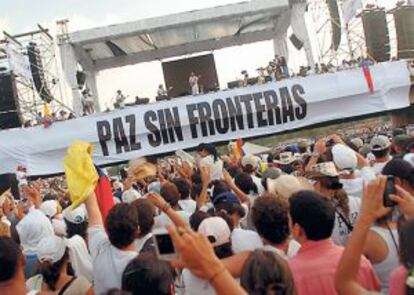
point(19, 63)
point(222, 116)
point(349, 9)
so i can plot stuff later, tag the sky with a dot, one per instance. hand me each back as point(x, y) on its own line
point(17, 16)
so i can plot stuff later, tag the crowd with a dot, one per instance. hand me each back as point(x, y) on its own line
point(335, 216)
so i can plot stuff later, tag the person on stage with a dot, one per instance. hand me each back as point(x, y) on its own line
point(162, 93)
point(193, 81)
point(119, 100)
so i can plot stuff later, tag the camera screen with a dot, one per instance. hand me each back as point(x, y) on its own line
point(165, 244)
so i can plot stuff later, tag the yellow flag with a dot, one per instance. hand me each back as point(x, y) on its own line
point(81, 175)
point(46, 110)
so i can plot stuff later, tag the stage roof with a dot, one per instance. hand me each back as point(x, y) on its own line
point(180, 34)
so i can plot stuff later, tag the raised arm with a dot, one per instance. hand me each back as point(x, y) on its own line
point(239, 193)
point(92, 207)
point(371, 209)
point(161, 204)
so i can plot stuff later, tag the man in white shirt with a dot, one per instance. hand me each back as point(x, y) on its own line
point(380, 148)
point(119, 100)
point(250, 164)
point(111, 249)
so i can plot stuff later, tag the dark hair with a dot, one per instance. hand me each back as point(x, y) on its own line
point(223, 251)
point(50, 196)
point(51, 271)
point(183, 187)
point(146, 213)
point(196, 218)
point(380, 153)
point(270, 218)
point(170, 193)
point(339, 197)
point(231, 208)
point(233, 170)
point(146, 274)
point(210, 148)
point(196, 190)
point(314, 213)
point(122, 225)
point(266, 273)
point(10, 255)
point(219, 187)
point(401, 169)
point(73, 229)
point(245, 182)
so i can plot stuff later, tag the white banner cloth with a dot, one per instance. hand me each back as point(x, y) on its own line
point(185, 122)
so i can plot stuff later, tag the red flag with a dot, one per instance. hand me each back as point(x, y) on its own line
point(368, 77)
point(103, 192)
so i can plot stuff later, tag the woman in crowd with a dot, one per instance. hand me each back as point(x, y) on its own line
point(327, 183)
point(53, 256)
point(266, 273)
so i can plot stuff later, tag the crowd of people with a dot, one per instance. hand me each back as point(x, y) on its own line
point(334, 216)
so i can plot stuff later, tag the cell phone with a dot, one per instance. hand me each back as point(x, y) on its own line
point(389, 190)
point(164, 246)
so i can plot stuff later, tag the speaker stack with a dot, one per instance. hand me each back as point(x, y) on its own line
point(36, 67)
point(9, 116)
point(404, 25)
point(376, 33)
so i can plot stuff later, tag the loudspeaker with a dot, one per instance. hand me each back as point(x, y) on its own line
point(7, 181)
point(296, 41)
point(376, 33)
point(404, 25)
point(9, 117)
point(38, 74)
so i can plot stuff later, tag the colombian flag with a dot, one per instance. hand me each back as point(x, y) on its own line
point(368, 77)
point(103, 192)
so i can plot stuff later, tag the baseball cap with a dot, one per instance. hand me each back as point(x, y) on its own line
point(130, 195)
point(51, 249)
point(379, 143)
point(250, 160)
point(344, 157)
point(49, 208)
point(324, 169)
point(76, 216)
point(286, 158)
point(226, 197)
point(357, 142)
point(286, 185)
point(216, 229)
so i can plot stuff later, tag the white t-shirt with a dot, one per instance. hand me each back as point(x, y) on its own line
point(377, 167)
point(194, 285)
point(188, 205)
point(163, 220)
point(341, 232)
point(258, 182)
point(354, 187)
point(108, 261)
point(216, 167)
point(245, 240)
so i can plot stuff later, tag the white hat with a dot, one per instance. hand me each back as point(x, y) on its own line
point(286, 185)
point(49, 208)
point(217, 228)
point(286, 158)
point(325, 169)
point(51, 249)
point(344, 157)
point(76, 216)
point(357, 142)
point(379, 143)
point(250, 160)
point(130, 195)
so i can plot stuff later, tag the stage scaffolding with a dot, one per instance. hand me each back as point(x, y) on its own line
point(29, 102)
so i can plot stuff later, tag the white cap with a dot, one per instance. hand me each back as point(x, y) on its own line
point(287, 185)
point(357, 142)
point(286, 158)
point(217, 228)
point(325, 169)
point(344, 157)
point(250, 160)
point(49, 208)
point(51, 249)
point(130, 195)
point(379, 143)
point(76, 216)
